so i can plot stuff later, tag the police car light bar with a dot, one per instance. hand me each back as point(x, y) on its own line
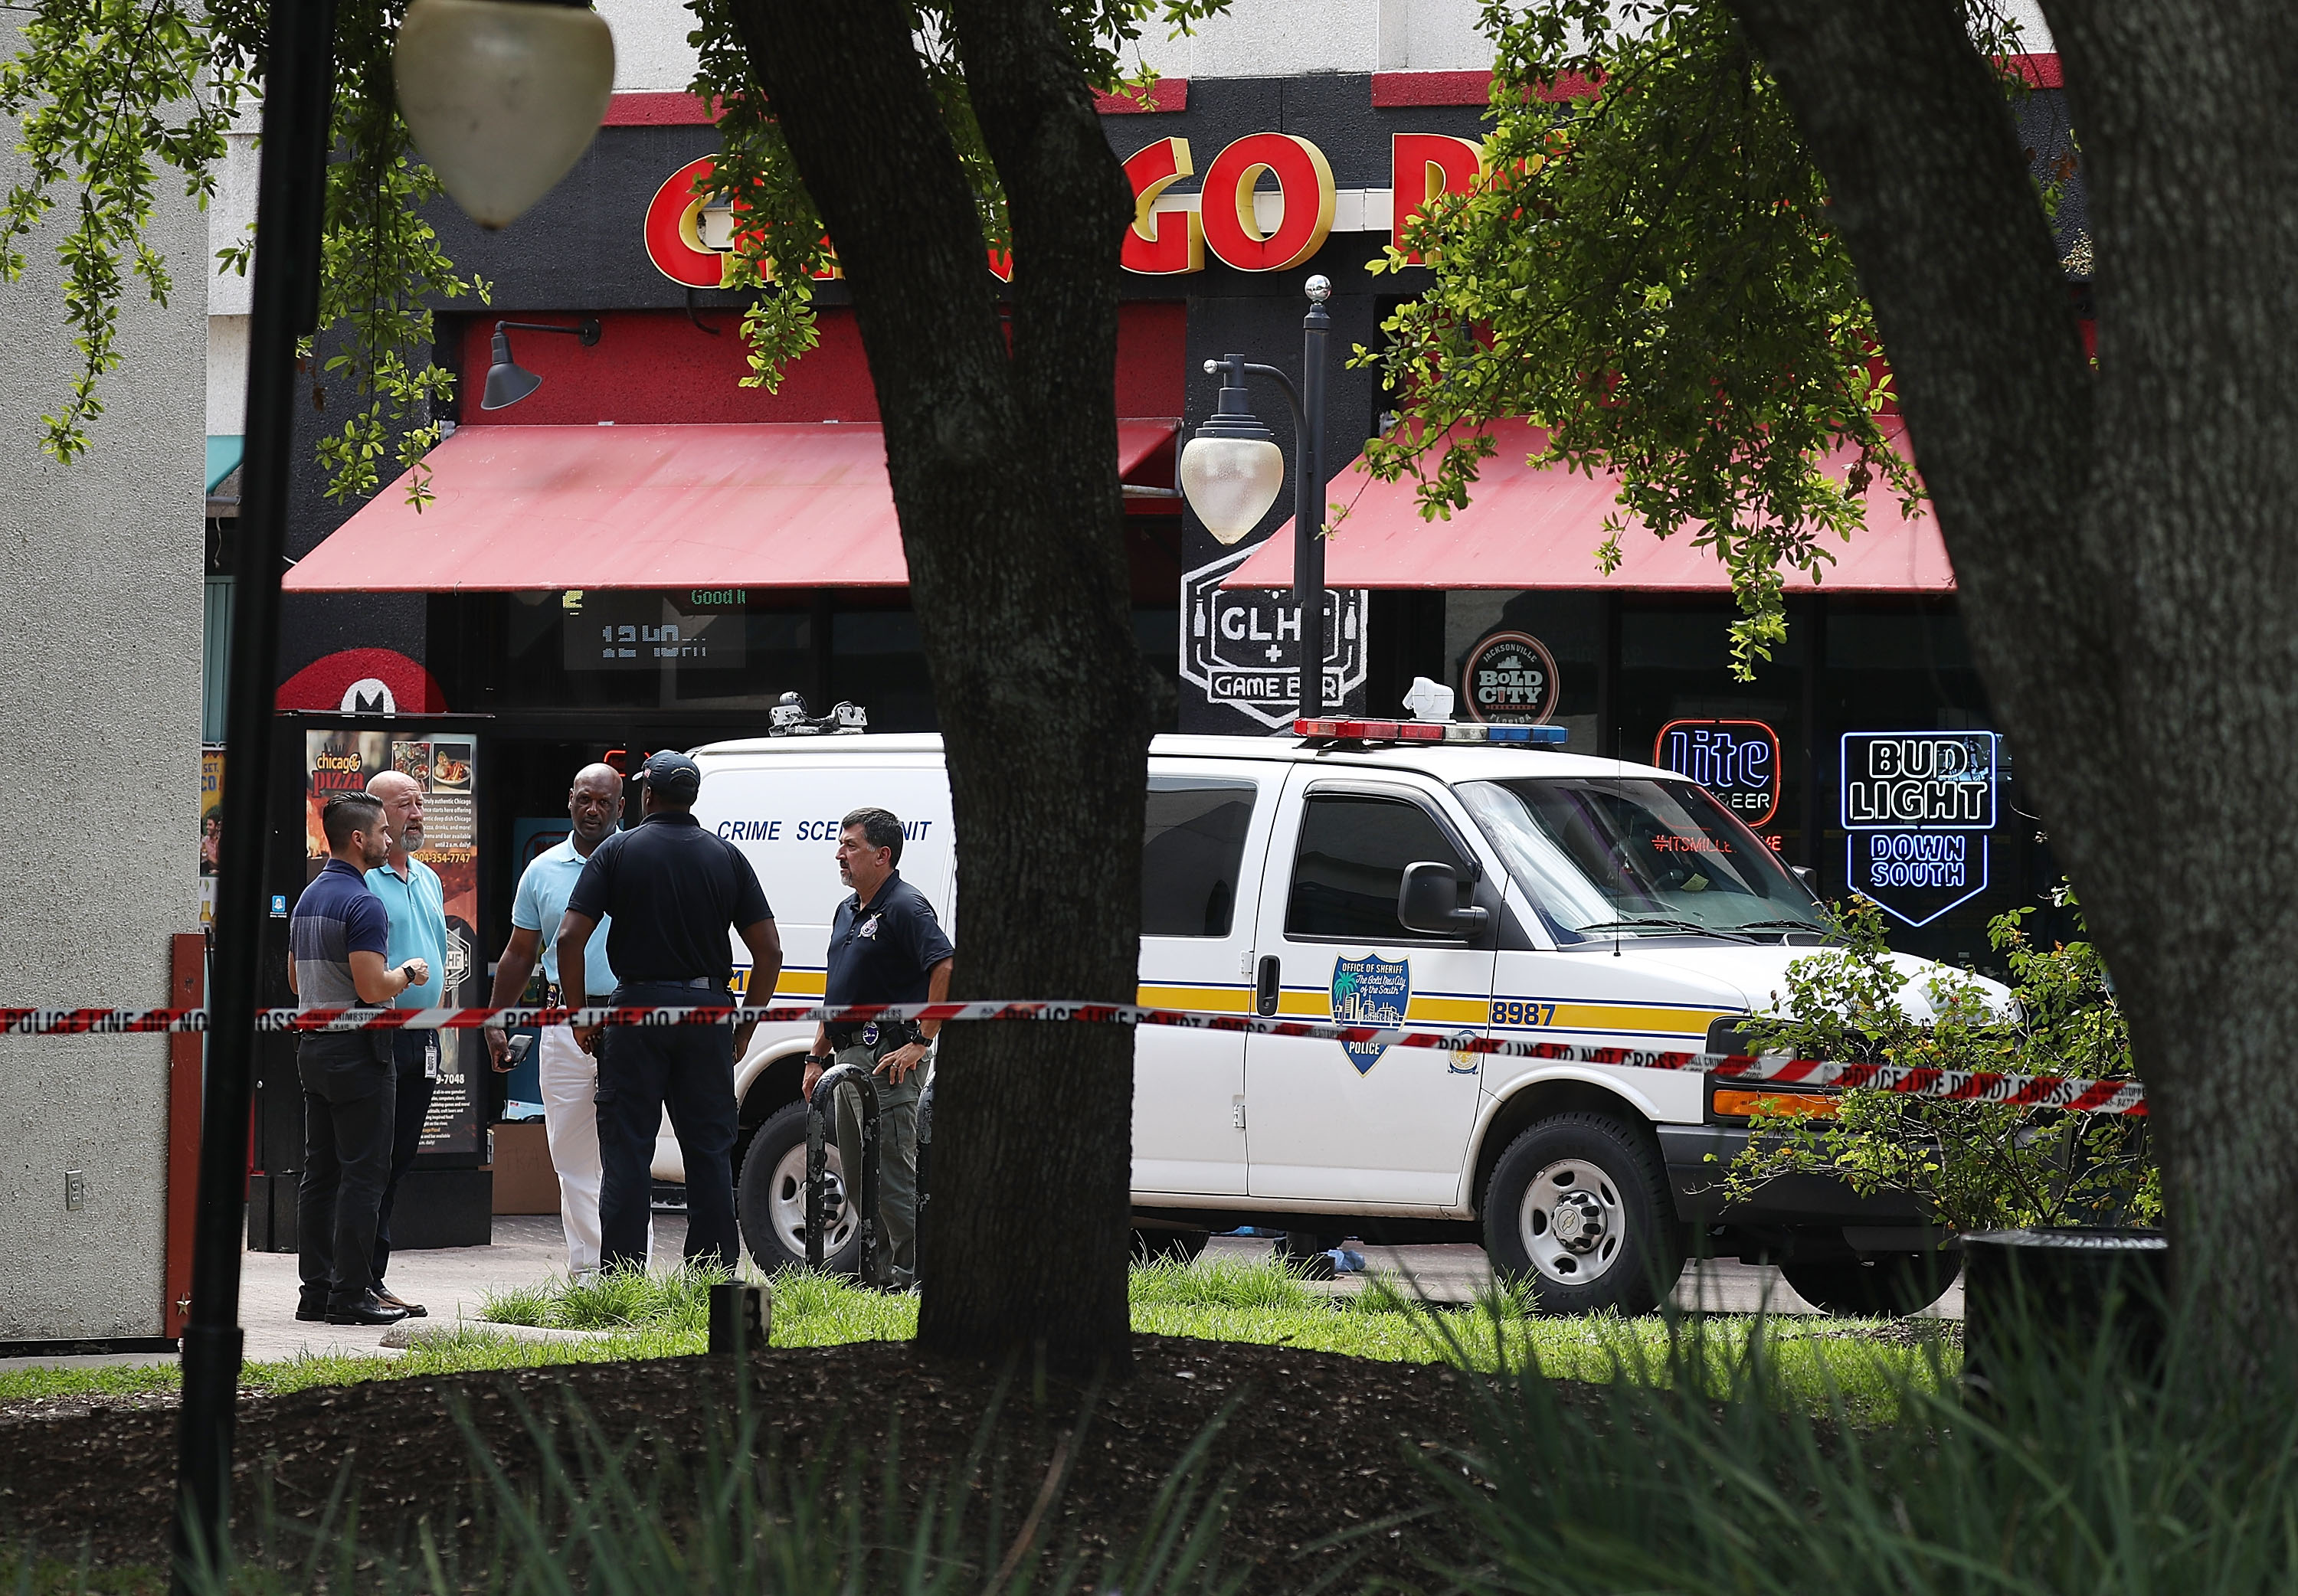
point(1339, 731)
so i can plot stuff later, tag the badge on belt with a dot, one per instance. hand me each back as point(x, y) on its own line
point(869, 1034)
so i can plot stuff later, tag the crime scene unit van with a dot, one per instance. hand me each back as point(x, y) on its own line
point(1490, 888)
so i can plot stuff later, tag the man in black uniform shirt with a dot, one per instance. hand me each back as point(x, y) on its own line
point(885, 947)
point(673, 890)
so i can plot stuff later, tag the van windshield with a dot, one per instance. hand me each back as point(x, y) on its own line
point(1631, 856)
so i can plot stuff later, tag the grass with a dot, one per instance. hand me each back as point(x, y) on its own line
point(1816, 1361)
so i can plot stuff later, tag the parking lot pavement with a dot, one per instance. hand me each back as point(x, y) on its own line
point(1457, 1273)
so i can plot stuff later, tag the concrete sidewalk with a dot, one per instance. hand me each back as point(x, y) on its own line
point(453, 1282)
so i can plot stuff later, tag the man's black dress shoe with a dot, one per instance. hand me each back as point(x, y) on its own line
point(312, 1312)
point(367, 1311)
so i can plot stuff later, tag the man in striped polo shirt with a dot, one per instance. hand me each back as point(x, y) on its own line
point(337, 940)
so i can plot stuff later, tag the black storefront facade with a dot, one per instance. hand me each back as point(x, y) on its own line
point(1873, 688)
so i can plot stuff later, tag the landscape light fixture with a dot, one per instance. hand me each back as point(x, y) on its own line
point(501, 97)
point(507, 381)
point(1232, 469)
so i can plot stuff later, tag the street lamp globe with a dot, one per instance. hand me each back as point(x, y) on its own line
point(1232, 469)
point(501, 97)
point(1231, 483)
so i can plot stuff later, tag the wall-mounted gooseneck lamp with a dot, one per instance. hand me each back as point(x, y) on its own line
point(507, 381)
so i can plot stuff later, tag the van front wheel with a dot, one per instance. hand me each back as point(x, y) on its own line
point(1578, 1210)
point(770, 1200)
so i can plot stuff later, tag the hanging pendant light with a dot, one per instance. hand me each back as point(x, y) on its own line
point(501, 97)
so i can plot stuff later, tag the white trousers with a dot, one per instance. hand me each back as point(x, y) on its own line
point(570, 1122)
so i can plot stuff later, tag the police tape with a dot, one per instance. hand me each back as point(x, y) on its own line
point(2066, 1094)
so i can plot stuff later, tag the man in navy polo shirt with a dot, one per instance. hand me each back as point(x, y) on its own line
point(673, 891)
point(885, 947)
point(337, 937)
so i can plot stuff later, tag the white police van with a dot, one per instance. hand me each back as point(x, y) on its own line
point(1383, 872)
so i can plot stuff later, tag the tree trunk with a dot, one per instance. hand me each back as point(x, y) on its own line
point(1004, 468)
point(2123, 542)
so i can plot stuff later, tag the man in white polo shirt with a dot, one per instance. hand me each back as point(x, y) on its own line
point(570, 1076)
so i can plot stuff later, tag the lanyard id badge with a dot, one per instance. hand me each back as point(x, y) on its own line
point(431, 1056)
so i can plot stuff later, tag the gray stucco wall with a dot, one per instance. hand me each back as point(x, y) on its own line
point(100, 622)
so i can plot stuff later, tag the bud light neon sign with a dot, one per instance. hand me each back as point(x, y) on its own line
point(1916, 809)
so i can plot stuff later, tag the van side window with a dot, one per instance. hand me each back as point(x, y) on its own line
point(1192, 851)
point(1350, 863)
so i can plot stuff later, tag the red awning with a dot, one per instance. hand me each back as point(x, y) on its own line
point(1528, 528)
point(521, 508)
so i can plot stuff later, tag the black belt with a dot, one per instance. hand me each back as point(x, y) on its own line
point(891, 1034)
point(554, 998)
point(699, 982)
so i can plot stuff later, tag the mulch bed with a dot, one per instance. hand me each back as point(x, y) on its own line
point(1318, 1444)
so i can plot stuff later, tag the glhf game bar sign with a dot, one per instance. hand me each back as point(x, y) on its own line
point(1917, 806)
point(690, 230)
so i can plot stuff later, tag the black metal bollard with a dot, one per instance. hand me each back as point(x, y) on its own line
point(2041, 1298)
point(737, 1319)
point(862, 1187)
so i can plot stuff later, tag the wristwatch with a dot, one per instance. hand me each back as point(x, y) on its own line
point(821, 1060)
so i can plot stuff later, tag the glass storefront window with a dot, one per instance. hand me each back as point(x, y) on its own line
point(1568, 626)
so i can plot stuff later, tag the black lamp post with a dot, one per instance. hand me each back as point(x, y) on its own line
point(1232, 469)
point(298, 98)
point(542, 75)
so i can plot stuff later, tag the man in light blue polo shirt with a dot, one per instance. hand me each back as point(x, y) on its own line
point(570, 1076)
point(418, 906)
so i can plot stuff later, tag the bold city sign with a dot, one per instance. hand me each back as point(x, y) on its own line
point(1916, 809)
point(1243, 645)
point(691, 232)
point(1510, 677)
point(1738, 761)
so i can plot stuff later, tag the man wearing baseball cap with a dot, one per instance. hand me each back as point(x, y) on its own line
point(672, 889)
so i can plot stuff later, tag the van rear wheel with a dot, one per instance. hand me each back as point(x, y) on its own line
point(1577, 1209)
point(770, 1200)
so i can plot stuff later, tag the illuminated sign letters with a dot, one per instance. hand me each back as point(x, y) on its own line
point(1738, 761)
point(1917, 806)
point(691, 231)
point(1421, 167)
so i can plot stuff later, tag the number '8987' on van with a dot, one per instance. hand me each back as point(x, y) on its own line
point(1511, 892)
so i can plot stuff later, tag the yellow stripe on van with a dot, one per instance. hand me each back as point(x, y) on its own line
point(1204, 1000)
point(1446, 1011)
point(1511, 1014)
point(793, 983)
point(1422, 1009)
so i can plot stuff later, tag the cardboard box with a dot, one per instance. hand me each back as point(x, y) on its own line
point(526, 1182)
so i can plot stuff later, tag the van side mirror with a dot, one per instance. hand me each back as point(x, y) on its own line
point(1429, 901)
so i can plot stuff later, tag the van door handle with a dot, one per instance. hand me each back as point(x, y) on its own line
point(1265, 992)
